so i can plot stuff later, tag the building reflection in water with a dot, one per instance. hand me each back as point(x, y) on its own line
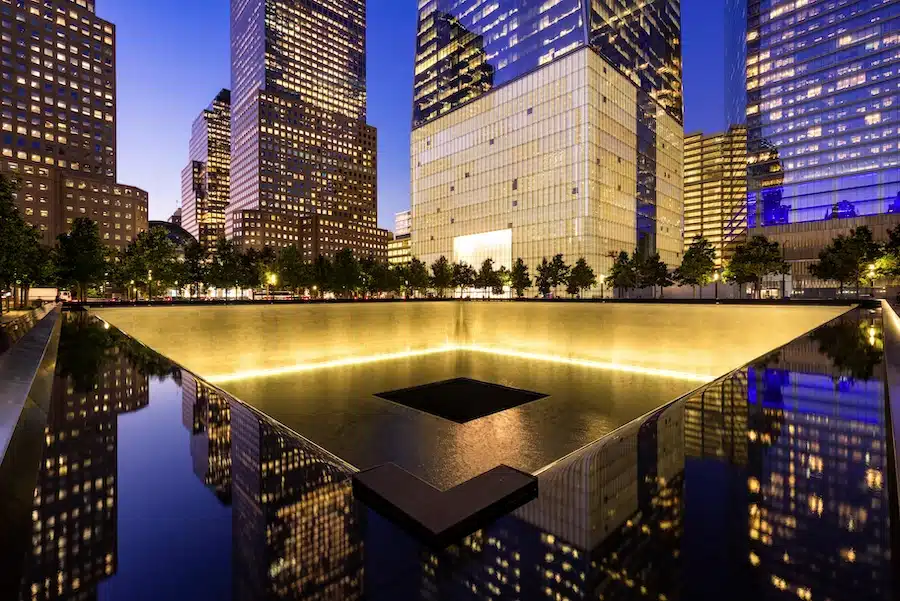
point(296, 532)
point(606, 525)
point(768, 484)
point(206, 413)
point(74, 515)
point(802, 435)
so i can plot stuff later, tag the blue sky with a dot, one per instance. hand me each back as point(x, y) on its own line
point(173, 57)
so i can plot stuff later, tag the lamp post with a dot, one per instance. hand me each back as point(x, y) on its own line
point(716, 277)
point(132, 291)
point(314, 291)
point(150, 285)
point(602, 279)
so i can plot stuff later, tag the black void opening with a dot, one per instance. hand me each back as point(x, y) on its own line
point(461, 399)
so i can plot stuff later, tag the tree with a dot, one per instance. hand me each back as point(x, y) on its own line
point(580, 278)
point(225, 267)
point(544, 277)
point(294, 273)
point(441, 275)
point(559, 272)
point(753, 260)
point(321, 272)
point(266, 265)
point(346, 276)
point(150, 260)
point(487, 277)
point(18, 240)
point(378, 277)
point(519, 278)
point(194, 269)
point(651, 271)
point(249, 271)
point(847, 257)
point(698, 265)
point(81, 256)
point(623, 275)
point(417, 276)
point(463, 276)
point(501, 280)
point(39, 267)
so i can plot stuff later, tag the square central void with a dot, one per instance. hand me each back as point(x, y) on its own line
point(461, 399)
point(340, 408)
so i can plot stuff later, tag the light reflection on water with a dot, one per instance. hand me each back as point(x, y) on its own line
point(336, 409)
point(202, 498)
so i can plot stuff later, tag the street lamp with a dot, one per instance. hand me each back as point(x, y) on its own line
point(149, 284)
point(716, 277)
point(272, 280)
point(602, 279)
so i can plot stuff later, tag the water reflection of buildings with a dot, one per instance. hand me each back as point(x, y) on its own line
point(606, 525)
point(295, 529)
point(74, 517)
point(206, 413)
point(808, 435)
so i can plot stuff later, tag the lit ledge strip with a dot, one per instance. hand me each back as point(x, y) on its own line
point(350, 361)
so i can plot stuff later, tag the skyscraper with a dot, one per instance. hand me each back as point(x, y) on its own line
point(205, 182)
point(58, 120)
point(715, 190)
point(821, 97)
point(304, 161)
point(547, 127)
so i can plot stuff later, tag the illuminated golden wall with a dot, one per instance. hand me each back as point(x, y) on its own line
point(706, 340)
point(551, 156)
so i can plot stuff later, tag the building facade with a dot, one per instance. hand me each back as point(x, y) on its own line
point(58, 120)
point(554, 129)
point(399, 252)
point(822, 106)
point(206, 180)
point(304, 157)
point(715, 190)
point(402, 221)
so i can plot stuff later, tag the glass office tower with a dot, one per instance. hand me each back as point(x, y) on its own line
point(715, 190)
point(205, 182)
point(303, 161)
point(822, 112)
point(547, 127)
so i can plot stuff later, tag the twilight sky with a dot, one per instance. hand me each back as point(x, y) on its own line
point(173, 57)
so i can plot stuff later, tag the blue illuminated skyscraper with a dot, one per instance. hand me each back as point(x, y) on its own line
point(822, 106)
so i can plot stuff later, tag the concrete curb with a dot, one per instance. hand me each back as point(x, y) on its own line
point(26, 382)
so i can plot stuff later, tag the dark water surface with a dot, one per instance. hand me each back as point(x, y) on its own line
point(770, 484)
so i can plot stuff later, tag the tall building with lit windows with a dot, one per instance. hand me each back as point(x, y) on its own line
point(821, 100)
point(547, 127)
point(715, 190)
point(58, 119)
point(205, 181)
point(304, 159)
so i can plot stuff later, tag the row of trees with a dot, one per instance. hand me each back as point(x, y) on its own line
point(751, 263)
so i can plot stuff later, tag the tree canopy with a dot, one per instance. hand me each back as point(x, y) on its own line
point(755, 259)
point(847, 258)
point(697, 265)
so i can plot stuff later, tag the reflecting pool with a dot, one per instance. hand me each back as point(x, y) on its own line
point(770, 483)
